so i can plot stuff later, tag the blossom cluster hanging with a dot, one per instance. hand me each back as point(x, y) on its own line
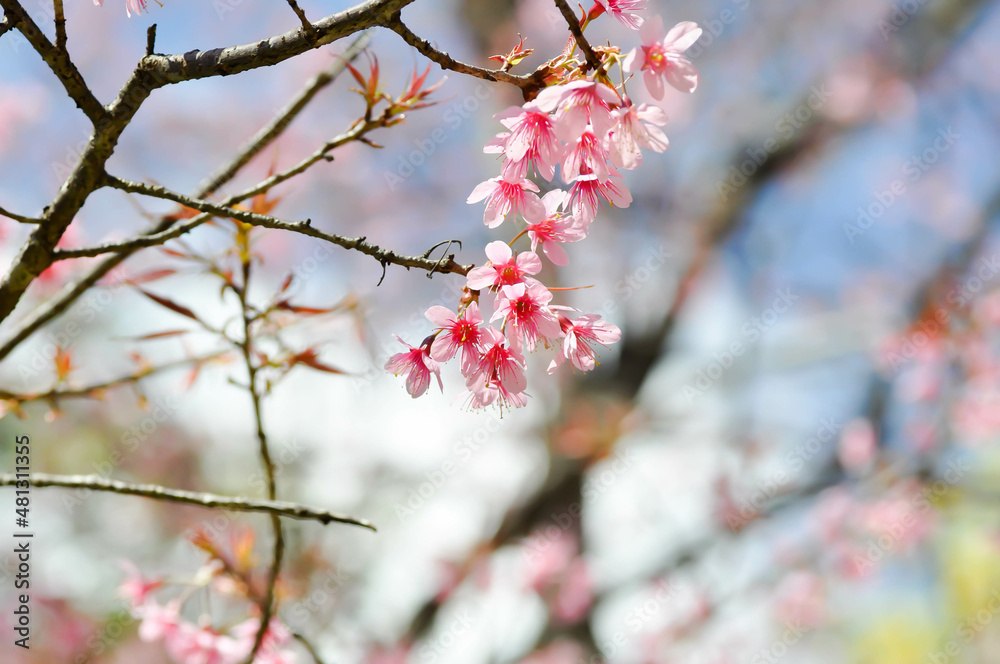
point(587, 126)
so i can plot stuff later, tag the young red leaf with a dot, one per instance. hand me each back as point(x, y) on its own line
point(169, 304)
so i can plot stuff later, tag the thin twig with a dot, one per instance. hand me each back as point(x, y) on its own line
point(310, 648)
point(526, 82)
point(207, 500)
point(447, 264)
point(306, 25)
point(272, 130)
point(581, 40)
point(62, 300)
point(151, 39)
point(57, 60)
point(17, 217)
point(88, 391)
point(60, 21)
point(246, 346)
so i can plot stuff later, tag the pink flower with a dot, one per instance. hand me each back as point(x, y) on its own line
point(191, 644)
point(581, 335)
point(135, 587)
point(525, 309)
point(586, 155)
point(624, 11)
point(159, 622)
point(586, 192)
point(531, 143)
point(857, 447)
point(136, 6)
point(457, 333)
point(557, 228)
point(418, 365)
point(578, 104)
point(575, 594)
point(276, 636)
point(498, 374)
point(660, 56)
point(503, 268)
point(506, 196)
point(630, 134)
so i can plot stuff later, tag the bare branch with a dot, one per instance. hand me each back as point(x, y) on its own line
point(90, 390)
point(207, 500)
point(17, 217)
point(302, 16)
point(386, 257)
point(581, 40)
point(266, 52)
point(57, 60)
point(268, 133)
point(60, 21)
point(55, 305)
point(526, 82)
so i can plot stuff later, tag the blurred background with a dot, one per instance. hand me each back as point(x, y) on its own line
point(790, 456)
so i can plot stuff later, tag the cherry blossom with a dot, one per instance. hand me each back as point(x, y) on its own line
point(418, 365)
point(638, 127)
point(136, 6)
point(524, 309)
point(588, 190)
point(505, 196)
point(503, 268)
point(581, 334)
point(557, 228)
point(577, 104)
point(660, 57)
point(586, 155)
point(623, 11)
point(135, 588)
point(459, 333)
point(498, 374)
point(531, 144)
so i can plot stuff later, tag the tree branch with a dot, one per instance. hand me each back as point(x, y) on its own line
point(271, 131)
point(207, 500)
point(266, 52)
point(526, 82)
point(384, 256)
point(581, 40)
point(60, 21)
point(302, 16)
point(17, 217)
point(57, 60)
point(62, 300)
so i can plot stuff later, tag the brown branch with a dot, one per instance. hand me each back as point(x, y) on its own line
point(272, 130)
point(306, 25)
point(88, 391)
point(446, 264)
point(581, 40)
point(56, 59)
point(60, 21)
point(17, 217)
point(525, 82)
point(267, 604)
point(231, 60)
point(62, 300)
point(207, 500)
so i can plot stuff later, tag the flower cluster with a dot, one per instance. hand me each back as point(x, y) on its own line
point(137, 6)
point(200, 643)
point(588, 127)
